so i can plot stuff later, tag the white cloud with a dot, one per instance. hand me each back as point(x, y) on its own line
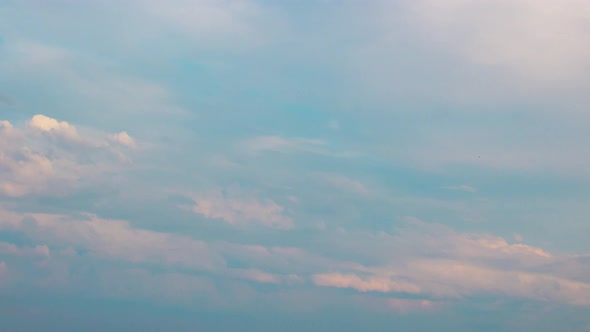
point(123, 139)
point(28, 172)
point(32, 164)
point(239, 209)
point(51, 126)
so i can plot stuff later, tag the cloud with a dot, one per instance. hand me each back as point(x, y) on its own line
point(26, 172)
point(258, 276)
point(112, 239)
point(437, 263)
point(123, 139)
point(265, 144)
point(281, 144)
point(398, 305)
point(230, 25)
point(236, 209)
point(8, 131)
point(345, 183)
point(370, 284)
point(32, 164)
point(53, 127)
point(537, 39)
point(37, 251)
point(462, 187)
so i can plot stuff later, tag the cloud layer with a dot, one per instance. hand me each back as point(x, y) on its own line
point(418, 164)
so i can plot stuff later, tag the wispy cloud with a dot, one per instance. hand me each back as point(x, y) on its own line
point(462, 187)
point(242, 210)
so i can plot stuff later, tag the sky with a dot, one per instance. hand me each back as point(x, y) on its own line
point(258, 165)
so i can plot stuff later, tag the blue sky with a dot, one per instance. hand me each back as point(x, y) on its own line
point(313, 165)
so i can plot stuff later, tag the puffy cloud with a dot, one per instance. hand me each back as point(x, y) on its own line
point(29, 172)
point(51, 126)
point(123, 138)
point(242, 210)
point(32, 164)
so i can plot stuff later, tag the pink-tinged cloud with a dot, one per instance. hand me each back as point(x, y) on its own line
point(50, 157)
point(113, 239)
point(397, 305)
point(123, 139)
point(38, 251)
point(367, 284)
point(257, 276)
point(54, 127)
point(242, 210)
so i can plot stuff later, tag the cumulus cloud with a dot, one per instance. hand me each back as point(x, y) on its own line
point(27, 170)
point(123, 139)
point(50, 157)
point(242, 210)
point(53, 127)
